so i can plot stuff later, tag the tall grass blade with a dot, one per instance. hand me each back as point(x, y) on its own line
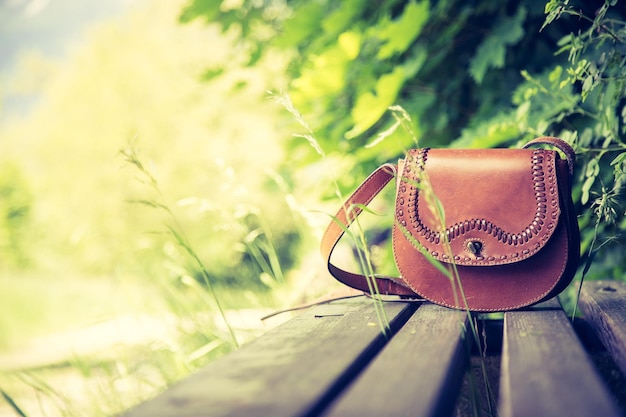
point(451, 272)
point(176, 230)
point(358, 238)
point(12, 403)
point(182, 241)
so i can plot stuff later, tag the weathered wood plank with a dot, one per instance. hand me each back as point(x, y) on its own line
point(293, 370)
point(603, 304)
point(418, 373)
point(545, 370)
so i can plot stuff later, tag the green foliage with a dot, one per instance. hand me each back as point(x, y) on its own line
point(397, 35)
point(218, 235)
point(492, 51)
point(177, 233)
point(590, 87)
point(15, 210)
point(212, 145)
point(365, 57)
point(469, 74)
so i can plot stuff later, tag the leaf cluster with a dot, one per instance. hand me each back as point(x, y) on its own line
point(591, 87)
point(450, 64)
point(469, 74)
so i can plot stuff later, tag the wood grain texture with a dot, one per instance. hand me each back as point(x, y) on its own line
point(418, 373)
point(603, 304)
point(545, 370)
point(293, 370)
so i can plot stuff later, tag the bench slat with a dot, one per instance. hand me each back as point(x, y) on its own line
point(418, 373)
point(295, 369)
point(602, 303)
point(545, 370)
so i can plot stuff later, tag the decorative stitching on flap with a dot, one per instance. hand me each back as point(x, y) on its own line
point(546, 196)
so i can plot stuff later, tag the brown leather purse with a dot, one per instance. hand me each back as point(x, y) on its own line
point(476, 229)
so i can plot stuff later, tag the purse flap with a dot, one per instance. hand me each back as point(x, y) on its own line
point(478, 206)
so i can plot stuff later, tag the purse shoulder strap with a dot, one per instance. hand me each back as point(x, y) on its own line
point(350, 210)
point(362, 196)
point(561, 145)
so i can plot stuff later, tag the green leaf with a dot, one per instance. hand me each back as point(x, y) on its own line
point(326, 73)
point(555, 75)
point(586, 188)
point(587, 86)
point(371, 106)
point(350, 43)
point(492, 51)
point(591, 172)
point(304, 23)
point(207, 9)
point(490, 133)
point(618, 163)
point(399, 34)
point(343, 16)
point(553, 11)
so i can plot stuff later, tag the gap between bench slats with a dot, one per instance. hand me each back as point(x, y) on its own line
point(295, 369)
point(604, 307)
point(545, 370)
point(418, 373)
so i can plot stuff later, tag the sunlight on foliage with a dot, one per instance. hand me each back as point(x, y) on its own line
point(204, 142)
point(486, 74)
point(355, 84)
point(76, 250)
point(398, 35)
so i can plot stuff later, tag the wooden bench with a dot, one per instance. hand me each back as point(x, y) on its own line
point(334, 360)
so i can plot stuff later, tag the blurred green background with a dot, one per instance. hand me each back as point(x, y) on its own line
point(167, 167)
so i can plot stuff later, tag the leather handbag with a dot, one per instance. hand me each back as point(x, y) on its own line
point(474, 229)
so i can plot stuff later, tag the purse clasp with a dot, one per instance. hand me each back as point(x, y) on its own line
point(474, 247)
